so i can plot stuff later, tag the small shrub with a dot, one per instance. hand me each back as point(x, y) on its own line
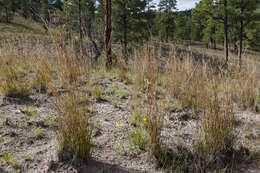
point(74, 132)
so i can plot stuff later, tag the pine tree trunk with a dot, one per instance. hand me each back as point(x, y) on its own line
point(226, 31)
point(214, 39)
point(240, 41)
point(125, 33)
point(211, 42)
point(80, 29)
point(6, 15)
point(107, 34)
point(166, 33)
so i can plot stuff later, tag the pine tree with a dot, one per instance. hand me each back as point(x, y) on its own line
point(25, 8)
point(166, 8)
point(204, 19)
point(107, 34)
point(128, 21)
point(244, 12)
point(6, 6)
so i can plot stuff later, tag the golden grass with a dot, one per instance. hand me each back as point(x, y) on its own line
point(74, 132)
point(198, 87)
point(195, 85)
point(13, 82)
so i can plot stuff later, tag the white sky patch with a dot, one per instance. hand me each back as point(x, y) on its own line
point(186, 4)
point(183, 4)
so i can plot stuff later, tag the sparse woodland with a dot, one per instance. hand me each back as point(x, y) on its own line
point(120, 86)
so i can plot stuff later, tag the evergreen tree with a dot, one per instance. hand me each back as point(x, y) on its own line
point(182, 27)
point(107, 33)
point(204, 19)
point(25, 8)
point(128, 21)
point(166, 8)
point(244, 12)
point(6, 10)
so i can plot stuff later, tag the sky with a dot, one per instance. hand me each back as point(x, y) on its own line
point(184, 4)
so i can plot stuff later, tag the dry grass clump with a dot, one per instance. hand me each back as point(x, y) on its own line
point(74, 131)
point(13, 80)
point(145, 81)
point(195, 85)
point(187, 81)
point(244, 87)
point(216, 148)
point(72, 68)
point(43, 75)
point(218, 121)
point(25, 64)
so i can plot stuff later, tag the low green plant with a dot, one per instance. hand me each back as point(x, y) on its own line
point(10, 160)
point(28, 110)
point(51, 121)
point(27, 157)
point(32, 119)
point(97, 93)
point(136, 117)
point(37, 133)
point(138, 138)
point(123, 93)
point(8, 157)
point(120, 148)
point(115, 102)
point(179, 132)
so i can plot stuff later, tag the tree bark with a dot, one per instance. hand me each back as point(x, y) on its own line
point(240, 40)
point(107, 34)
point(80, 28)
point(125, 33)
point(225, 31)
point(166, 33)
point(6, 15)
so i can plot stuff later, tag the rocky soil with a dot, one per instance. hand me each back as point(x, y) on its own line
point(28, 133)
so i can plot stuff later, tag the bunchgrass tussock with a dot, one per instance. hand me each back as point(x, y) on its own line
point(13, 83)
point(74, 131)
